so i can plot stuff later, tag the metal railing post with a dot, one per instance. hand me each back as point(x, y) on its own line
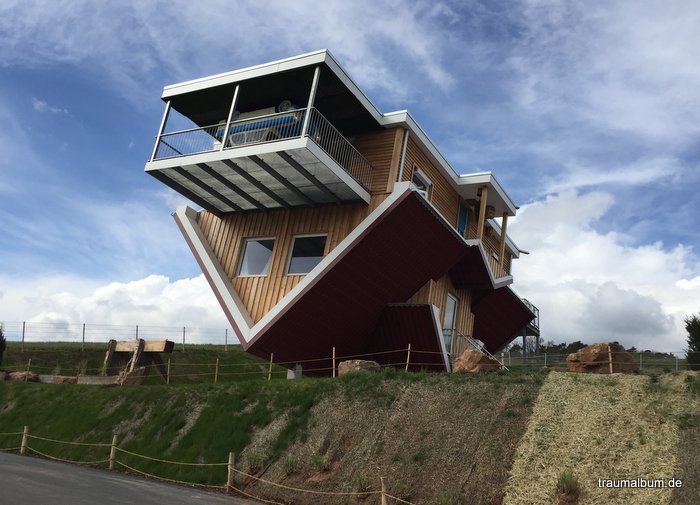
point(163, 121)
point(312, 97)
point(228, 119)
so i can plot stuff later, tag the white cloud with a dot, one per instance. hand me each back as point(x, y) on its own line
point(55, 308)
point(126, 42)
point(42, 106)
point(591, 286)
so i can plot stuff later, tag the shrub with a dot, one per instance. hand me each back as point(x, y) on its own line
point(568, 485)
point(3, 343)
point(692, 326)
point(322, 464)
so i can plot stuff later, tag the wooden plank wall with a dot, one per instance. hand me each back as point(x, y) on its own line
point(442, 195)
point(435, 292)
point(226, 237)
point(382, 149)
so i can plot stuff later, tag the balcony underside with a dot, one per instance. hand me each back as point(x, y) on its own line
point(285, 174)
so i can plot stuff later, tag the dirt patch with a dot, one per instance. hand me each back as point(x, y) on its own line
point(598, 427)
point(454, 439)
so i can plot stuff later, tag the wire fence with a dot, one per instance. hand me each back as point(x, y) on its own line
point(113, 456)
point(672, 361)
point(40, 367)
point(31, 331)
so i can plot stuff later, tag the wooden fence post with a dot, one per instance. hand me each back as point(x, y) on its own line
point(334, 362)
point(269, 370)
point(216, 371)
point(29, 364)
point(167, 376)
point(408, 357)
point(25, 437)
point(229, 478)
point(610, 360)
point(381, 479)
point(112, 452)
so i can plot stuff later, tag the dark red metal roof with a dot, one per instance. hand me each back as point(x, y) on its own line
point(471, 271)
point(407, 323)
point(389, 262)
point(498, 315)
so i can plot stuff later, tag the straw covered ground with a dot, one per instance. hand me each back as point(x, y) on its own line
point(603, 427)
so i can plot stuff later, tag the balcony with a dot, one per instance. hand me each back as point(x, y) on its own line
point(262, 161)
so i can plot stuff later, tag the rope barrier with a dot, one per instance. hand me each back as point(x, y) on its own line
point(67, 443)
point(68, 460)
point(311, 491)
point(254, 497)
point(167, 461)
point(10, 434)
point(10, 449)
point(146, 474)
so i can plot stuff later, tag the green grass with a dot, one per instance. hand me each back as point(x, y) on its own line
point(193, 420)
point(195, 365)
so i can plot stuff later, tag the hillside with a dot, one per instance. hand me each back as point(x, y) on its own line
point(496, 438)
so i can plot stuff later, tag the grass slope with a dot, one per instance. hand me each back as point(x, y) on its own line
point(437, 438)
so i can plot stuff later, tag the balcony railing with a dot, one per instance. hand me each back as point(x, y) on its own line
point(535, 323)
point(268, 128)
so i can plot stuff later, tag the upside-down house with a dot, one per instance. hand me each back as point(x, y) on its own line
point(326, 223)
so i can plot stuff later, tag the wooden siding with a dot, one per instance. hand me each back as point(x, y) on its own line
point(435, 292)
point(380, 149)
point(442, 195)
point(227, 235)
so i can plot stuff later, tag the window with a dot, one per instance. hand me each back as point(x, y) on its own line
point(421, 183)
point(462, 220)
point(307, 252)
point(257, 256)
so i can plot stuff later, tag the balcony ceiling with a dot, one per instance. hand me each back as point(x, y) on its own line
point(211, 105)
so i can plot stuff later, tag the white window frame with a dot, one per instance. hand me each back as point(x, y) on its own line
point(424, 179)
point(291, 249)
point(243, 249)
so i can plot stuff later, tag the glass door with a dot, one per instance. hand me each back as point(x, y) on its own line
point(448, 323)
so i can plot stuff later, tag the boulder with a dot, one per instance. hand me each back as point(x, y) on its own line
point(64, 379)
point(474, 361)
point(594, 358)
point(23, 376)
point(357, 365)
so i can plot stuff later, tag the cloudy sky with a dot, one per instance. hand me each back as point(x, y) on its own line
point(587, 112)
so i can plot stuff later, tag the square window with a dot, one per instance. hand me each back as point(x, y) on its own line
point(257, 256)
point(421, 183)
point(307, 252)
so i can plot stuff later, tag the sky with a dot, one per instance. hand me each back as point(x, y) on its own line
point(588, 113)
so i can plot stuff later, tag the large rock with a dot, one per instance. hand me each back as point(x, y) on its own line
point(594, 358)
point(475, 361)
point(23, 376)
point(64, 379)
point(357, 365)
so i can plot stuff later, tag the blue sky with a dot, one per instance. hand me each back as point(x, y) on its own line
point(587, 112)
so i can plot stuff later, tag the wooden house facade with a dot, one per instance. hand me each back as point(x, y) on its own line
point(326, 223)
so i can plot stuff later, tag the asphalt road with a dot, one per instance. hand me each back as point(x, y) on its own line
point(32, 481)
